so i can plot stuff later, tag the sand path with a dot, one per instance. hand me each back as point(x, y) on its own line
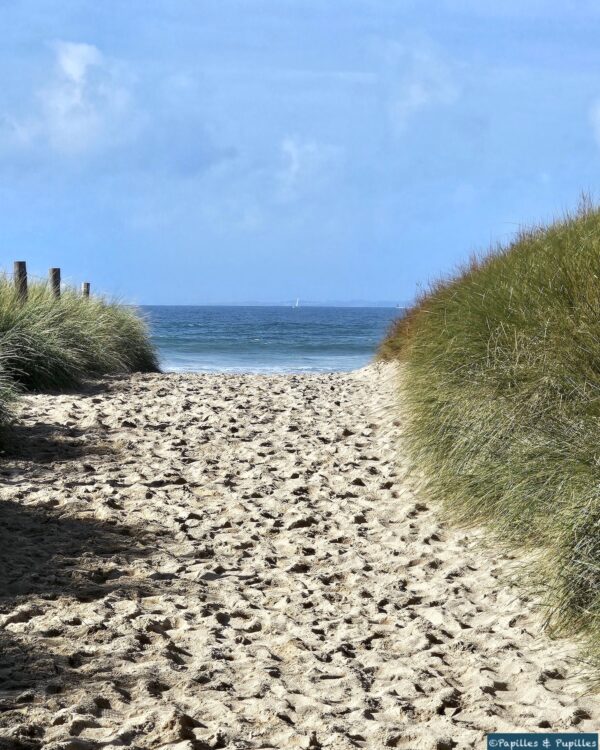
point(200, 561)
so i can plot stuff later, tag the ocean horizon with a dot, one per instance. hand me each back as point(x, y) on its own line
point(266, 338)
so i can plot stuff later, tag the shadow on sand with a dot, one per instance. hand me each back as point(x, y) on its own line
point(43, 443)
point(46, 555)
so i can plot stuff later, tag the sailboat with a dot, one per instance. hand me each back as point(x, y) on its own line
point(297, 304)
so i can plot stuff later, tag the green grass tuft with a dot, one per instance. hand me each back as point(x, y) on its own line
point(502, 387)
point(50, 344)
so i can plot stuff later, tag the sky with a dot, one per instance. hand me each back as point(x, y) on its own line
point(223, 151)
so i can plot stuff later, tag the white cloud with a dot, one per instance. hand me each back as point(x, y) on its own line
point(93, 110)
point(75, 58)
point(416, 78)
point(84, 107)
point(306, 164)
point(85, 104)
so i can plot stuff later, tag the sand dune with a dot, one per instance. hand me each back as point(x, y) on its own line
point(210, 561)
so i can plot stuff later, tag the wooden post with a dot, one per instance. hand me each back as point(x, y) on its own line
point(85, 289)
point(20, 278)
point(54, 276)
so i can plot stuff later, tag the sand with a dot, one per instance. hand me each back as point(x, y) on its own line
point(229, 561)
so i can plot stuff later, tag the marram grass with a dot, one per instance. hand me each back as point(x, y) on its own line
point(502, 387)
point(49, 343)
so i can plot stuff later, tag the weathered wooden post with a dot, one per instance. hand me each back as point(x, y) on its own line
point(85, 289)
point(20, 279)
point(54, 276)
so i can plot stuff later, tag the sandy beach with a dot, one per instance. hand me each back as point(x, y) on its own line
point(237, 561)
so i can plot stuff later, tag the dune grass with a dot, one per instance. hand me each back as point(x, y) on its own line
point(8, 395)
point(502, 387)
point(50, 344)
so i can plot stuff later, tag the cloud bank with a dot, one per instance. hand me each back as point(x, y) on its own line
point(92, 111)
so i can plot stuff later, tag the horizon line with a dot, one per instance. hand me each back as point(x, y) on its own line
point(366, 304)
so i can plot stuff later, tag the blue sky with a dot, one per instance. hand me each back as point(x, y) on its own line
point(205, 151)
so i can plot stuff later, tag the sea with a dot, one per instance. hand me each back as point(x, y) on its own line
point(267, 339)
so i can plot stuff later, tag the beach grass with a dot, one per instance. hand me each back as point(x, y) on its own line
point(49, 343)
point(8, 394)
point(502, 388)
